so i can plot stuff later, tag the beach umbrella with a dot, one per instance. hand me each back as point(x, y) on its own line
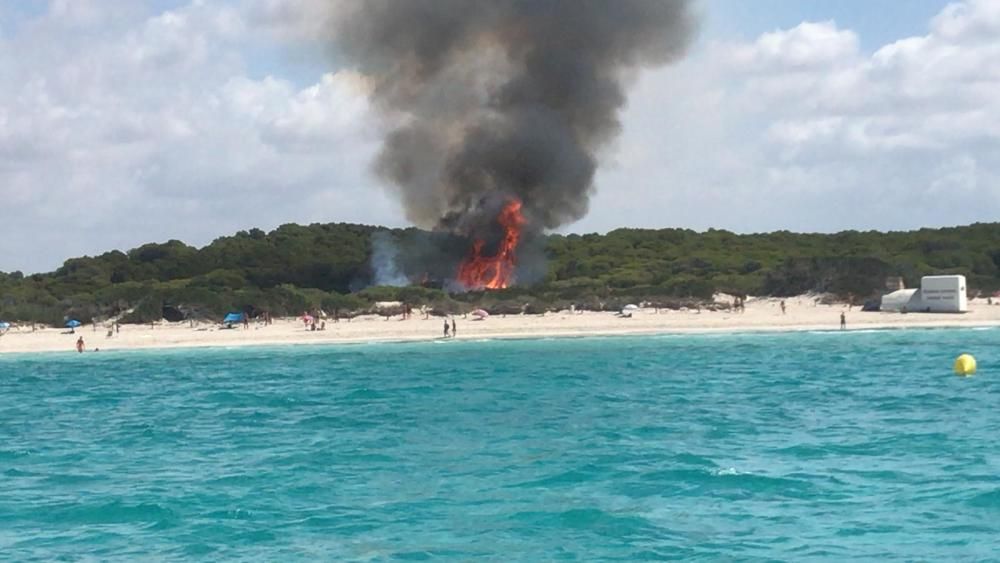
point(73, 323)
point(480, 313)
point(630, 307)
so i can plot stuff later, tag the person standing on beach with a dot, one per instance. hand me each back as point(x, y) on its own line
point(454, 329)
point(79, 345)
point(843, 321)
point(446, 328)
point(782, 306)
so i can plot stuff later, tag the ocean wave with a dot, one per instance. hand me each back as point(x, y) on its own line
point(988, 499)
point(115, 512)
point(594, 519)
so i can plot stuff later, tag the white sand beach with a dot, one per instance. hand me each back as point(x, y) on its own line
point(802, 313)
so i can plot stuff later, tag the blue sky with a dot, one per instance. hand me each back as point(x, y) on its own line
point(124, 123)
point(878, 22)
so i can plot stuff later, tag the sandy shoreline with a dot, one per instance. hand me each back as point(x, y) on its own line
point(802, 314)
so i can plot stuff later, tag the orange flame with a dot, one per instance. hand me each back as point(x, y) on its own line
point(495, 272)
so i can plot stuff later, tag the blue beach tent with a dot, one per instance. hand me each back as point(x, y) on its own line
point(233, 318)
point(73, 323)
point(4, 326)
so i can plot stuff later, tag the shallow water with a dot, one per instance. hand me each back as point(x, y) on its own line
point(821, 446)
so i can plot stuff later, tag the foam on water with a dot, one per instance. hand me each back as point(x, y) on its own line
point(759, 445)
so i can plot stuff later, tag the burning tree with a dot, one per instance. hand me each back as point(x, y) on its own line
point(479, 271)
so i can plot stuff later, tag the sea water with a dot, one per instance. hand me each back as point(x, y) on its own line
point(822, 446)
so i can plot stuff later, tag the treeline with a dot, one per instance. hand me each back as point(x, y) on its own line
point(327, 267)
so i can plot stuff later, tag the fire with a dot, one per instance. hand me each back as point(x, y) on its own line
point(495, 272)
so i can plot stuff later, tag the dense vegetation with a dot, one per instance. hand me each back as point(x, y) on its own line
point(326, 267)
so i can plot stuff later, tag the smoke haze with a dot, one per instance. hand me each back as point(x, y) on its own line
point(384, 261)
point(492, 99)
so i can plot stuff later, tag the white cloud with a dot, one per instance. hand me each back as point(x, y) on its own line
point(958, 175)
point(968, 21)
point(290, 20)
point(120, 124)
point(808, 132)
point(76, 12)
point(808, 45)
point(152, 128)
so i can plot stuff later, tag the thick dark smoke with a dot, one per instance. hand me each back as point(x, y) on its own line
point(489, 99)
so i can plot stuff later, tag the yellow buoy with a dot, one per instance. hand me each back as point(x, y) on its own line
point(965, 365)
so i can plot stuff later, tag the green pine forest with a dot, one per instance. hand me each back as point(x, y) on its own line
point(325, 267)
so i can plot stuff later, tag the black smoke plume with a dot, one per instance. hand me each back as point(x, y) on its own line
point(510, 97)
point(492, 99)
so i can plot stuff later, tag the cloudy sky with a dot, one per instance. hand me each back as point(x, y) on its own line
point(129, 122)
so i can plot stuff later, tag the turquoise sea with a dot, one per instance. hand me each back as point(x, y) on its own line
point(809, 446)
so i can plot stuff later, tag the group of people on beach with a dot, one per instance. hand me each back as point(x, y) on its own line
point(450, 326)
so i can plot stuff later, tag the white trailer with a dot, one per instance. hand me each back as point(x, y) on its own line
point(944, 294)
point(937, 294)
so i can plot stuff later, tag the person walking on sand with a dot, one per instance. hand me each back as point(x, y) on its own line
point(782, 306)
point(446, 328)
point(454, 329)
point(79, 345)
point(843, 321)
